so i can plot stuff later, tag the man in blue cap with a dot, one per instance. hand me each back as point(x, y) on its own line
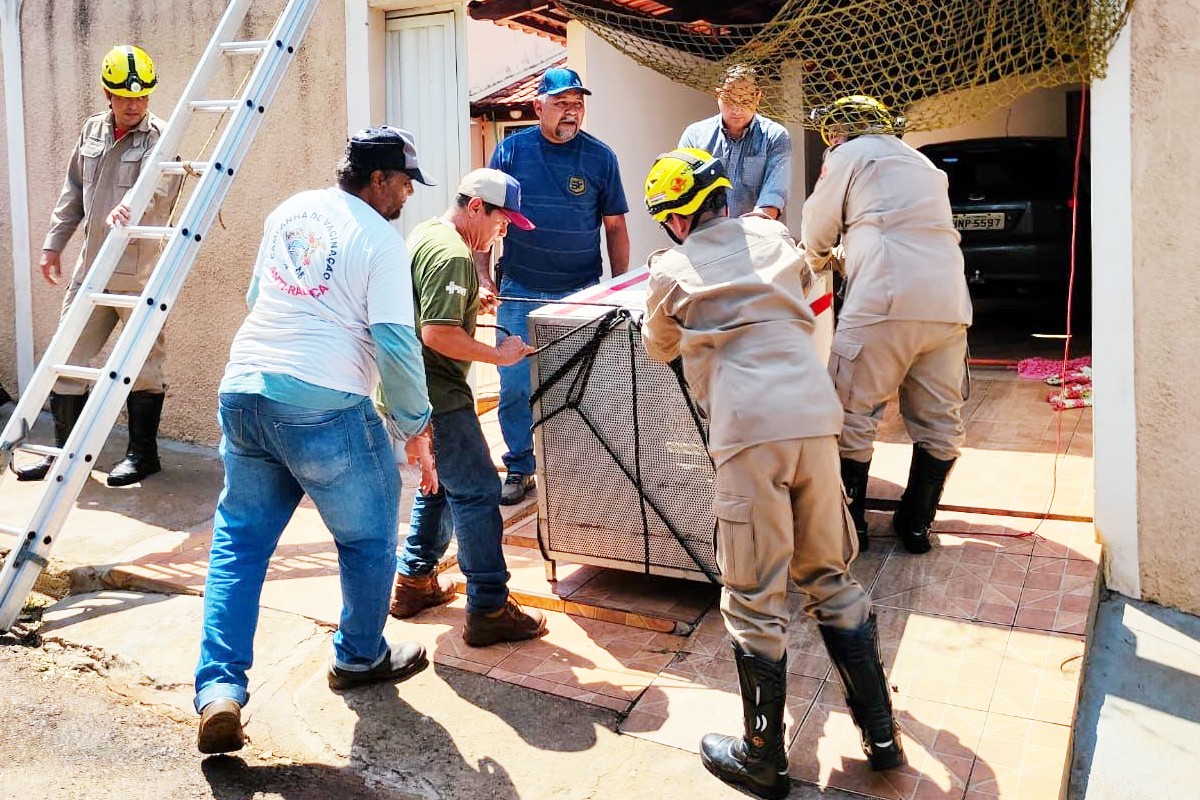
point(571, 186)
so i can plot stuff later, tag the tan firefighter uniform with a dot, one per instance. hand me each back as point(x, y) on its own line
point(903, 325)
point(730, 301)
point(100, 173)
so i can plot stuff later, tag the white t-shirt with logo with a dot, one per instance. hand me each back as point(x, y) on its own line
point(328, 268)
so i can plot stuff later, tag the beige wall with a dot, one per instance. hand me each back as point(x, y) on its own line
point(1165, 71)
point(8, 347)
point(297, 147)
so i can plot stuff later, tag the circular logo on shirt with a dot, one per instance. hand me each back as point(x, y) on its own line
point(576, 185)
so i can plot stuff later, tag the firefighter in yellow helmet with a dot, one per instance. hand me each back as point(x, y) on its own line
point(729, 300)
point(903, 324)
point(104, 164)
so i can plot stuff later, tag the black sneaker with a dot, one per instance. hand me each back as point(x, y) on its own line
point(401, 663)
point(515, 487)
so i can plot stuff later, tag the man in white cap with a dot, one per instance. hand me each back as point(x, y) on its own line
point(447, 291)
point(331, 316)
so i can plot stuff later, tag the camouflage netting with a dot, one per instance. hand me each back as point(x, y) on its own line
point(940, 62)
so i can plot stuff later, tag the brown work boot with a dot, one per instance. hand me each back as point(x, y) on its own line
point(509, 624)
point(412, 594)
point(220, 728)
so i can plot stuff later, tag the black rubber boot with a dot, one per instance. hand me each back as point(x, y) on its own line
point(65, 408)
point(918, 505)
point(854, 478)
point(758, 762)
point(5, 397)
point(855, 654)
point(141, 457)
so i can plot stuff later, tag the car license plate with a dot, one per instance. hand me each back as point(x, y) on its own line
point(979, 222)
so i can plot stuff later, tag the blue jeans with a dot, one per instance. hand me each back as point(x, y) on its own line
point(273, 454)
point(469, 485)
point(516, 418)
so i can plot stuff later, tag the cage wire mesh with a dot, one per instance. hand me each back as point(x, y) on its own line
point(629, 423)
point(939, 62)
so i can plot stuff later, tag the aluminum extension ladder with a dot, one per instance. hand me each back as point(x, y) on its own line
point(111, 384)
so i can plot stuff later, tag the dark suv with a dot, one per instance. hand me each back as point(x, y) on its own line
point(1011, 199)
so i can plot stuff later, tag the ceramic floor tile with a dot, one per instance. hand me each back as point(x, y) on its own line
point(1039, 676)
point(942, 659)
point(1057, 595)
point(1020, 758)
point(866, 567)
point(695, 695)
point(523, 532)
point(939, 741)
point(1003, 534)
point(805, 649)
point(648, 595)
point(963, 578)
point(709, 637)
point(440, 630)
point(584, 657)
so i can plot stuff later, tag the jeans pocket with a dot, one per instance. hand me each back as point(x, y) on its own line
point(317, 452)
point(229, 417)
point(736, 555)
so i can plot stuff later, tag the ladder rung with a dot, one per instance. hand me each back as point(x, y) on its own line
point(214, 105)
point(146, 231)
point(41, 449)
point(11, 529)
point(255, 46)
point(80, 373)
point(115, 300)
point(183, 167)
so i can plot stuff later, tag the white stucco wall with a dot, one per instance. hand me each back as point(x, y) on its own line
point(1115, 415)
point(1042, 112)
point(637, 125)
point(497, 54)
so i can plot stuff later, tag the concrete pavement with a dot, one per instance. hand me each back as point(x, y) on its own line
point(1138, 725)
point(446, 733)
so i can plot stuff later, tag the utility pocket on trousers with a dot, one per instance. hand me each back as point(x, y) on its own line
point(736, 555)
point(316, 452)
point(842, 357)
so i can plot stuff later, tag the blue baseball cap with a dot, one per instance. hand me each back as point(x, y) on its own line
point(560, 79)
point(498, 188)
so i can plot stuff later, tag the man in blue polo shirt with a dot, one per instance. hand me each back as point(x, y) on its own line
point(571, 186)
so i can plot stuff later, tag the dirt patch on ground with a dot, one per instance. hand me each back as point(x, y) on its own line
point(68, 737)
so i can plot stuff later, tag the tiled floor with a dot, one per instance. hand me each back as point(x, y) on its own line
point(983, 637)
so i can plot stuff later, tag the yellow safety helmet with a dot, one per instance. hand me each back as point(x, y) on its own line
point(856, 115)
point(681, 180)
point(128, 71)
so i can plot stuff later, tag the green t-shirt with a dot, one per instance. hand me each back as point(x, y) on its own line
point(447, 293)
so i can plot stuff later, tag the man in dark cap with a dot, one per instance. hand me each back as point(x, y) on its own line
point(331, 315)
point(572, 187)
